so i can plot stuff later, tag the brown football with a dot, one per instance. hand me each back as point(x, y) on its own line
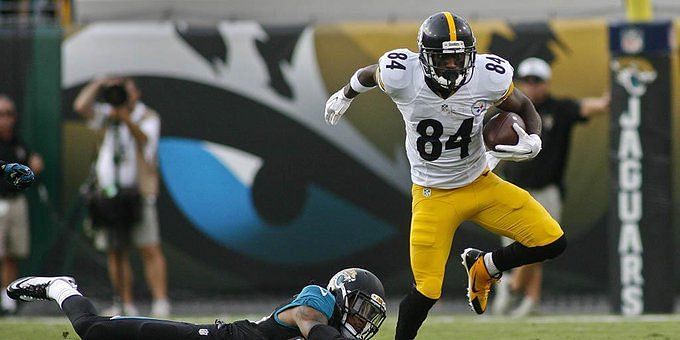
point(498, 130)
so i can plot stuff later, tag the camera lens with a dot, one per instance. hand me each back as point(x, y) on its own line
point(115, 95)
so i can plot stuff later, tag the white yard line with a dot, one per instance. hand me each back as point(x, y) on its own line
point(559, 319)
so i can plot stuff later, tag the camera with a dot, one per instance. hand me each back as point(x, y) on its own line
point(116, 95)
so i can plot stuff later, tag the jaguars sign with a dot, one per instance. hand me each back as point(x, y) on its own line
point(641, 232)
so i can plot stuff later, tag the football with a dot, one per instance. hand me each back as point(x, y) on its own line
point(498, 130)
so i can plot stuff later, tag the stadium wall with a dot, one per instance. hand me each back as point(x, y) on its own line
point(259, 195)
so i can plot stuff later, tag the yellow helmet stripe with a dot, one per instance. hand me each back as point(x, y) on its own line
point(452, 26)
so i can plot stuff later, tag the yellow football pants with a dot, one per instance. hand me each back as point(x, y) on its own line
point(497, 205)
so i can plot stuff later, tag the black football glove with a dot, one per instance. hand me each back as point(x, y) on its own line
point(18, 175)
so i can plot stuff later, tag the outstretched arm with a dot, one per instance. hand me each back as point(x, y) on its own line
point(314, 325)
point(363, 80)
point(595, 105)
point(366, 78)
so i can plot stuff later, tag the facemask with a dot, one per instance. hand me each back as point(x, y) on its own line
point(348, 331)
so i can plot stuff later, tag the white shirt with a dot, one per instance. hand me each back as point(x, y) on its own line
point(127, 168)
point(444, 141)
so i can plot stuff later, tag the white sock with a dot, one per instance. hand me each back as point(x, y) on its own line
point(490, 266)
point(60, 290)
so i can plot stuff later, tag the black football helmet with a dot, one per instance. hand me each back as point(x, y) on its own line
point(360, 298)
point(442, 38)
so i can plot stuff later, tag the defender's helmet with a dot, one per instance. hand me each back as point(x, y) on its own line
point(360, 298)
point(442, 38)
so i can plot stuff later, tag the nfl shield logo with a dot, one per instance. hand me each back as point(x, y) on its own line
point(445, 108)
point(632, 40)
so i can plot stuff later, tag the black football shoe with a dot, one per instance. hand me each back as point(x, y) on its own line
point(32, 288)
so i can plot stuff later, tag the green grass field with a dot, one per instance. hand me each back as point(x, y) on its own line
point(436, 327)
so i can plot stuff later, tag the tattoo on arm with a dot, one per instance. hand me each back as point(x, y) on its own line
point(307, 317)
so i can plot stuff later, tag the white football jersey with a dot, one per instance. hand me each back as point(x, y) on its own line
point(444, 141)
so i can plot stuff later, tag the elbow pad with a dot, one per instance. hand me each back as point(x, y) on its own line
point(324, 332)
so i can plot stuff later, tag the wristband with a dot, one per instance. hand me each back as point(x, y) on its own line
point(356, 85)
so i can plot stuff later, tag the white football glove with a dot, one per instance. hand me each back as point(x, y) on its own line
point(336, 105)
point(527, 147)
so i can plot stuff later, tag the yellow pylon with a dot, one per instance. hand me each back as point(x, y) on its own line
point(639, 10)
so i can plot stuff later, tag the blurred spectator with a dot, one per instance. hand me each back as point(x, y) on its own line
point(127, 162)
point(15, 8)
point(543, 175)
point(21, 10)
point(14, 226)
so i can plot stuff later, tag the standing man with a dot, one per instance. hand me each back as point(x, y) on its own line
point(443, 93)
point(15, 234)
point(543, 175)
point(127, 161)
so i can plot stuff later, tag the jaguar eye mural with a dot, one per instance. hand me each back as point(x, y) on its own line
point(250, 173)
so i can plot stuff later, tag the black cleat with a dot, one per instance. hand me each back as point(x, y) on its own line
point(33, 288)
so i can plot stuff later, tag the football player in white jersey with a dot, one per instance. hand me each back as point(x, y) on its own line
point(443, 92)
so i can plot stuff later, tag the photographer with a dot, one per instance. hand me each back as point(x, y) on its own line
point(127, 186)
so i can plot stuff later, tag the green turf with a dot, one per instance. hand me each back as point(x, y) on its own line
point(437, 327)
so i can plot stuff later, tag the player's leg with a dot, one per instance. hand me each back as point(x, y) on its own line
point(526, 281)
point(538, 235)
point(510, 211)
point(433, 225)
point(91, 326)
